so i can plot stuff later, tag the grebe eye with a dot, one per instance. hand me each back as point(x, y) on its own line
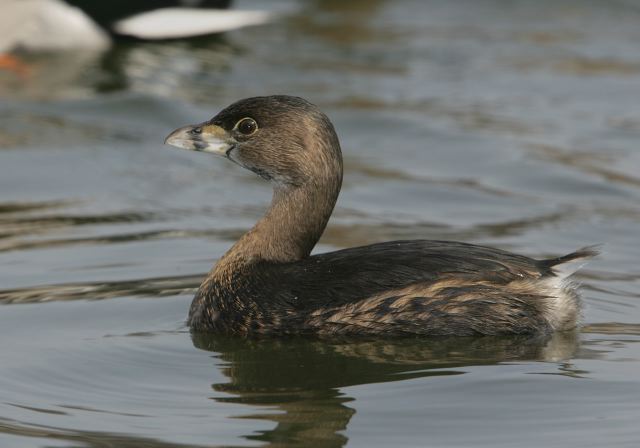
point(247, 126)
point(197, 130)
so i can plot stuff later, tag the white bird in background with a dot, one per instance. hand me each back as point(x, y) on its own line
point(53, 25)
point(57, 25)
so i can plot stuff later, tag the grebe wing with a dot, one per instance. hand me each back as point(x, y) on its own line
point(356, 273)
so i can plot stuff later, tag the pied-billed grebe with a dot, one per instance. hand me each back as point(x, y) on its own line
point(267, 283)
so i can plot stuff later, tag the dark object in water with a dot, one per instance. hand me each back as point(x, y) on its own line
point(108, 13)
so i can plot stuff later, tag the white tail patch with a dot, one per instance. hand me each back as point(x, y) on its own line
point(563, 303)
point(562, 309)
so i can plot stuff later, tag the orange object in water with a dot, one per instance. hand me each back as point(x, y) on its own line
point(15, 65)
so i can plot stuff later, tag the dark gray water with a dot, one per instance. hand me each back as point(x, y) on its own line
point(509, 123)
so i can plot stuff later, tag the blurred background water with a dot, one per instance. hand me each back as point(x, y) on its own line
point(509, 123)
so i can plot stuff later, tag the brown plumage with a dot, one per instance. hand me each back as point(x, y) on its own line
point(268, 283)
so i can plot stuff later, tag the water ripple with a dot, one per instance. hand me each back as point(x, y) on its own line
point(93, 439)
point(11, 245)
point(150, 287)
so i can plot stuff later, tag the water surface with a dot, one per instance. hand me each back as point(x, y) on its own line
point(513, 124)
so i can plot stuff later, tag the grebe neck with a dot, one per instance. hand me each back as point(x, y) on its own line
point(290, 228)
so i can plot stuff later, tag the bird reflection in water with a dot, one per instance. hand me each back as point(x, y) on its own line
point(302, 378)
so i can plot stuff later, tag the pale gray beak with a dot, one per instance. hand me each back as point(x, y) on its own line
point(202, 137)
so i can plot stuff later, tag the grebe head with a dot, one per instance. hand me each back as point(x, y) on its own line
point(284, 139)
